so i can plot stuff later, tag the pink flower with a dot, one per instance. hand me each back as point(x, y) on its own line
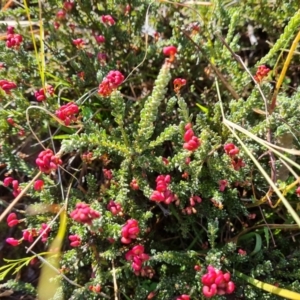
point(61, 14)
point(137, 256)
point(84, 214)
point(38, 185)
point(130, 231)
point(12, 220)
point(75, 240)
point(242, 252)
point(47, 161)
point(108, 174)
point(169, 50)
point(12, 242)
point(7, 86)
point(29, 234)
point(45, 230)
point(67, 113)
point(68, 5)
point(114, 207)
point(134, 184)
point(261, 73)
point(7, 181)
point(231, 149)
point(112, 80)
point(107, 20)
point(40, 95)
point(192, 142)
point(100, 39)
point(79, 43)
point(216, 283)
point(178, 83)
point(162, 193)
point(222, 185)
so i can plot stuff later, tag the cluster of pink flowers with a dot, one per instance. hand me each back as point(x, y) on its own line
point(7, 86)
point(112, 80)
point(114, 207)
point(13, 40)
point(170, 51)
point(79, 43)
point(84, 214)
point(14, 183)
point(44, 231)
point(193, 201)
point(108, 174)
point(137, 256)
point(87, 157)
point(298, 191)
point(75, 240)
point(134, 184)
point(28, 234)
point(178, 84)
point(67, 113)
point(12, 220)
point(261, 73)
point(232, 151)
point(162, 193)
point(40, 94)
point(216, 283)
point(108, 20)
point(192, 143)
point(130, 231)
point(47, 161)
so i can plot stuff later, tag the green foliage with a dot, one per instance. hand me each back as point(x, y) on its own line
point(137, 132)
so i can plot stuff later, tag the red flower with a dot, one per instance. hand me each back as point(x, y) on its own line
point(75, 240)
point(12, 242)
point(99, 39)
point(7, 181)
point(216, 283)
point(40, 95)
point(261, 73)
point(129, 231)
point(47, 161)
point(12, 220)
point(7, 86)
point(192, 142)
point(108, 20)
point(114, 207)
point(178, 83)
point(68, 5)
point(112, 80)
point(84, 214)
point(170, 51)
point(38, 185)
point(222, 185)
point(79, 43)
point(61, 14)
point(67, 113)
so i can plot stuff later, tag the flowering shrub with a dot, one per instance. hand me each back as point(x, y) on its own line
point(135, 148)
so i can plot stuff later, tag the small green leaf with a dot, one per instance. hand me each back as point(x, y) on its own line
point(203, 108)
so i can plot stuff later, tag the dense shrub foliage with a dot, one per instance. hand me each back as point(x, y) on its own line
point(113, 140)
